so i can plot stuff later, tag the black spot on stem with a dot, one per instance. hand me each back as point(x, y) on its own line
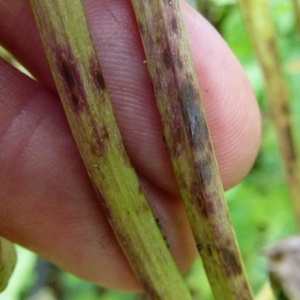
point(199, 247)
point(193, 116)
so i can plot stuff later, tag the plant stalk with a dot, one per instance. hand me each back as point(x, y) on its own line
point(296, 8)
point(73, 61)
point(262, 33)
point(189, 144)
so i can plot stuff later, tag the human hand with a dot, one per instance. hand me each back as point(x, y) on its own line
point(47, 203)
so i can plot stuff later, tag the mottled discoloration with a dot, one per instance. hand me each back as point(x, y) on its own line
point(201, 200)
point(179, 63)
point(206, 206)
point(204, 170)
point(183, 119)
point(151, 292)
point(71, 80)
point(104, 133)
point(176, 138)
point(193, 116)
point(135, 261)
point(174, 25)
point(100, 137)
point(167, 59)
point(231, 264)
point(96, 74)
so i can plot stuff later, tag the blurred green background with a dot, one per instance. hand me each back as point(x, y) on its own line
point(259, 205)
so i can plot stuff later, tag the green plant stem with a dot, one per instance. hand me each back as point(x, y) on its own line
point(8, 259)
point(79, 81)
point(261, 31)
point(188, 141)
point(296, 9)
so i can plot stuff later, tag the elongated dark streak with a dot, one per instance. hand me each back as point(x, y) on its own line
point(193, 117)
point(96, 74)
point(72, 82)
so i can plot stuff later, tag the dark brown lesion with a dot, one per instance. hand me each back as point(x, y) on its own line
point(70, 77)
point(201, 201)
point(179, 63)
point(193, 116)
point(207, 207)
point(99, 79)
point(96, 74)
point(100, 137)
point(174, 25)
point(176, 138)
point(167, 59)
point(104, 133)
point(231, 264)
point(204, 170)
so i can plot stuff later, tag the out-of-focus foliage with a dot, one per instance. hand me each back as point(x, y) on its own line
point(259, 206)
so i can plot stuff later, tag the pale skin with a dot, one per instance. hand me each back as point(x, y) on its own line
point(46, 201)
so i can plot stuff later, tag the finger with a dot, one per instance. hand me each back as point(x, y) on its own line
point(47, 202)
point(231, 109)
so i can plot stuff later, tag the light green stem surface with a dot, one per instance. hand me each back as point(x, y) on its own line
point(188, 141)
point(73, 61)
point(8, 259)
